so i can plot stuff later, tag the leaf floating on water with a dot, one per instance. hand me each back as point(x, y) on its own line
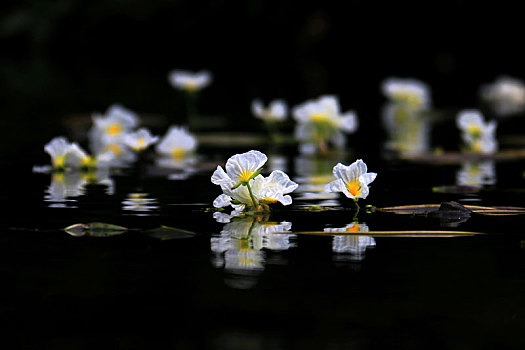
point(165, 233)
point(424, 209)
point(457, 189)
point(95, 229)
point(315, 208)
point(421, 234)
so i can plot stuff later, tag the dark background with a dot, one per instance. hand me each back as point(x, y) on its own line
point(72, 57)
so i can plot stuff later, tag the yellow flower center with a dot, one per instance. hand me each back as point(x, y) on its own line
point(190, 86)
point(245, 176)
point(115, 148)
point(88, 161)
point(354, 228)
point(474, 130)
point(60, 161)
point(178, 153)
point(408, 97)
point(114, 129)
point(354, 188)
point(269, 200)
point(58, 177)
point(318, 117)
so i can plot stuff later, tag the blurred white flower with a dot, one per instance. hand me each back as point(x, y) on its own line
point(352, 180)
point(116, 122)
point(178, 143)
point(478, 135)
point(320, 121)
point(408, 91)
point(189, 81)
point(79, 158)
point(58, 149)
point(276, 110)
point(139, 140)
point(506, 95)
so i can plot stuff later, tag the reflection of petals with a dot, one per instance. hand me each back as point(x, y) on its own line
point(355, 245)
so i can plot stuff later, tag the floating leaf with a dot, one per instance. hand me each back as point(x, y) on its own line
point(167, 233)
point(95, 229)
point(424, 209)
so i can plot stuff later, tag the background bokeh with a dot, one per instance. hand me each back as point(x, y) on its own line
point(72, 57)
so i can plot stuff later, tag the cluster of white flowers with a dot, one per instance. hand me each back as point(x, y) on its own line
point(478, 135)
point(244, 187)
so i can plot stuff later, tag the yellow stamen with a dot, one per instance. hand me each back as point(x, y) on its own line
point(60, 161)
point(178, 153)
point(115, 148)
point(269, 200)
point(245, 176)
point(354, 188)
point(114, 129)
point(474, 130)
point(318, 117)
point(354, 228)
point(88, 161)
point(191, 86)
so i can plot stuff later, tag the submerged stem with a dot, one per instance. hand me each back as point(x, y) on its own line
point(356, 208)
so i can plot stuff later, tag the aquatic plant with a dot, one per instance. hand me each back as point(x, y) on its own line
point(320, 123)
point(59, 148)
point(478, 136)
point(189, 81)
point(177, 143)
point(243, 186)
point(140, 140)
point(411, 92)
point(116, 122)
point(351, 180)
point(506, 95)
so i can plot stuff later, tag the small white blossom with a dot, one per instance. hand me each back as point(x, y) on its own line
point(409, 91)
point(506, 94)
point(276, 111)
point(352, 180)
point(117, 121)
point(239, 168)
point(59, 148)
point(177, 143)
point(478, 135)
point(189, 81)
point(140, 140)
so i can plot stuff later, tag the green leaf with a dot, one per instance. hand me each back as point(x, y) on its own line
point(95, 229)
point(165, 233)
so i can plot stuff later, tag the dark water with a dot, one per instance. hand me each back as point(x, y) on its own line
point(219, 288)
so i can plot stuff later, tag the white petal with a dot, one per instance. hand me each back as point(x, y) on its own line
point(220, 177)
point(222, 201)
point(367, 178)
point(335, 186)
point(250, 161)
point(349, 122)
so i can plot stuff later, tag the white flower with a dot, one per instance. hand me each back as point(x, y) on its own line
point(478, 135)
point(267, 190)
point(506, 94)
point(189, 81)
point(276, 111)
point(140, 139)
point(116, 122)
point(352, 180)
point(409, 91)
point(58, 149)
point(325, 110)
point(177, 143)
point(240, 168)
point(79, 158)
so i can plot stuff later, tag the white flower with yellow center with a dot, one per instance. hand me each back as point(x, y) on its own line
point(320, 121)
point(407, 91)
point(506, 94)
point(140, 140)
point(243, 186)
point(352, 180)
point(189, 81)
point(478, 135)
point(79, 158)
point(274, 112)
point(58, 149)
point(116, 122)
point(178, 143)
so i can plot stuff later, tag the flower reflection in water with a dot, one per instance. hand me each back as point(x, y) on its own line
point(313, 174)
point(408, 129)
point(239, 248)
point(476, 173)
point(139, 204)
point(351, 246)
point(180, 169)
point(67, 185)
